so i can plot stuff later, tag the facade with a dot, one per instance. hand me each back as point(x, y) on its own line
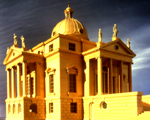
point(69, 77)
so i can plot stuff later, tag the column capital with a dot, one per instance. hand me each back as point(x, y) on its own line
point(25, 61)
point(8, 69)
point(19, 64)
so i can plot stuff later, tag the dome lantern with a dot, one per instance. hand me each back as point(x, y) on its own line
point(68, 11)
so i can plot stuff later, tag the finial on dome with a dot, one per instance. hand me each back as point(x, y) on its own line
point(68, 11)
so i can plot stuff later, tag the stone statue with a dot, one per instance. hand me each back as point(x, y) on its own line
point(115, 31)
point(7, 50)
point(100, 35)
point(23, 43)
point(15, 40)
point(128, 43)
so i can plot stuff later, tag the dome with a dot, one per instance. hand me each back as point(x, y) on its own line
point(70, 26)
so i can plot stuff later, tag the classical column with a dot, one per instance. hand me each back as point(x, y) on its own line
point(130, 77)
point(24, 73)
point(19, 80)
point(121, 77)
point(110, 75)
point(87, 81)
point(8, 83)
point(13, 82)
point(99, 67)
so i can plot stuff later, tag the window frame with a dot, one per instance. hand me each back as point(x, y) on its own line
point(73, 107)
point(72, 83)
point(72, 46)
point(51, 108)
point(51, 47)
point(51, 83)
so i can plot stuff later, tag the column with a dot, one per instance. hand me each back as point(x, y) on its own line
point(24, 73)
point(87, 81)
point(130, 77)
point(121, 77)
point(8, 83)
point(19, 80)
point(99, 67)
point(13, 82)
point(110, 75)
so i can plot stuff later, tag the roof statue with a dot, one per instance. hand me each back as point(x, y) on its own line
point(23, 43)
point(128, 43)
point(7, 50)
point(100, 36)
point(115, 31)
point(15, 41)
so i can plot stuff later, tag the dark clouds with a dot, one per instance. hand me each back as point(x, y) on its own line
point(36, 19)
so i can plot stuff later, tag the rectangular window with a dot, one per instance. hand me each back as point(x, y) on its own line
point(51, 48)
point(72, 82)
point(73, 107)
point(51, 83)
point(96, 84)
point(51, 108)
point(72, 46)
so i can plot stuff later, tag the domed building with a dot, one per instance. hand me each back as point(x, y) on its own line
point(69, 77)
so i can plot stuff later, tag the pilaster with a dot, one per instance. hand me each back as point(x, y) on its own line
point(87, 82)
point(99, 67)
point(130, 76)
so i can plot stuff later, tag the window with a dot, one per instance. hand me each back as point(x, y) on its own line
point(96, 84)
point(19, 108)
point(105, 80)
point(33, 108)
point(73, 107)
point(50, 107)
point(51, 48)
point(9, 108)
point(51, 83)
point(72, 82)
point(72, 46)
point(14, 108)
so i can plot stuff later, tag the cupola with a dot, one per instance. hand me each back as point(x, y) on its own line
point(70, 26)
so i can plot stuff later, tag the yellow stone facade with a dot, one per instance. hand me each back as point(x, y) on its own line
point(68, 77)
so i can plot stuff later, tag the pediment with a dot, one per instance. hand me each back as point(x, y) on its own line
point(118, 46)
point(12, 53)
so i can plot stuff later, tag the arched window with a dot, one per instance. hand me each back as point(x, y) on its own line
point(9, 108)
point(105, 79)
point(19, 108)
point(33, 108)
point(14, 108)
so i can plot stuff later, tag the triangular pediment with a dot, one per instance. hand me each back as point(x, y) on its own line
point(12, 53)
point(118, 46)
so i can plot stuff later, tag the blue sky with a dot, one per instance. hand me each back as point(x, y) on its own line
point(36, 19)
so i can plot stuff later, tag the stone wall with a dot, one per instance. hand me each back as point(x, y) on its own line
point(113, 106)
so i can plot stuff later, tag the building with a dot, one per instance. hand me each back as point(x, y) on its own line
point(69, 77)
